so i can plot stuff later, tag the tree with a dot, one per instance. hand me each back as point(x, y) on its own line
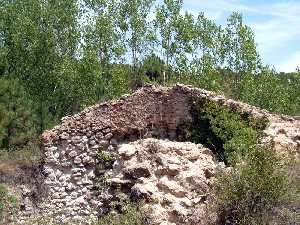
point(240, 48)
point(165, 22)
point(135, 23)
point(208, 41)
point(104, 38)
point(199, 53)
point(184, 34)
point(153, 67)
point(16, 122)
point(269, 91)
point(38, 36)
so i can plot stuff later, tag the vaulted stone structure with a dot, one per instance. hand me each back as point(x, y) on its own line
point(71, 148)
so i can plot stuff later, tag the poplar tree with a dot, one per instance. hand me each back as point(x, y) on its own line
point(241, 53)
point(104, 39)
point(167, 16)
point(183, 36)
point(136, 25)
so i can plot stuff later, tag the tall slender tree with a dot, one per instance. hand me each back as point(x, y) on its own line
point(183, 36)
point(241, 54)
point(104, 38)
point(136, 25)
point(167, 16)
point(207, 57)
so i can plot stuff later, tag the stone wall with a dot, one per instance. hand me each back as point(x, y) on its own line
point(71, 148)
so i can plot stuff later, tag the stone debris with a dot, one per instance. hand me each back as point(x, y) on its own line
point(285, 135)
point(163, 174)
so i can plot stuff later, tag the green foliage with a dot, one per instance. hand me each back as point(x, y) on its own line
point(105, 157)
point(167, 15)
point(38, 36)
point(17, 127)
point(240, 48)
point(105, 162)
point(119, 83)
point(102, 49)
point(127, 214)
point(8, 204)
point(105, 42)
point(138, 32)
point(54, 63)
point(226, 132)
point(271, 92)
point(257, 191)
point(152, 68)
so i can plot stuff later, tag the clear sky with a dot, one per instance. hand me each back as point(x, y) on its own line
point(276, 24)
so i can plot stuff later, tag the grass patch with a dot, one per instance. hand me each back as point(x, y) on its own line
point(30, 156)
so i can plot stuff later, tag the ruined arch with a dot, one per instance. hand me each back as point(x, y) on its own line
point(71, 147)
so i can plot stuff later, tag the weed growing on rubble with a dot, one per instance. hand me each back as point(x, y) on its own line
point(7, 204)
point(105, 158)
point(105, 162)
point(124, 213)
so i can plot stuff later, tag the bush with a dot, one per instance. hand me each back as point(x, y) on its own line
point(258, 190)
point(127, 214)
point(228, 134)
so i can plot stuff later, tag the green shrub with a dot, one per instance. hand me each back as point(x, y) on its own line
point(228, 134)
point(257, 191)
point(105, 158)
point(126, 214)
point(7, 204)
point(105, 162)
point(259, 188)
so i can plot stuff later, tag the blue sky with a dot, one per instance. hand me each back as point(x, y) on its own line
point(276, 25)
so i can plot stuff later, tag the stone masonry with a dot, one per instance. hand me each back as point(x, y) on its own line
point(71, 148)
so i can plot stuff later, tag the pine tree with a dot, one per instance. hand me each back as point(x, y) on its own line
point(16, 118)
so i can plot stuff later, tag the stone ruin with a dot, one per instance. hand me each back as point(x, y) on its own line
point(140, 131)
